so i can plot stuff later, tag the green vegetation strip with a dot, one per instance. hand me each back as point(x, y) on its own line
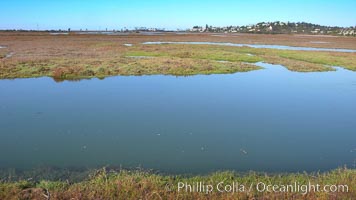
point(105, 184)
point(170, 59)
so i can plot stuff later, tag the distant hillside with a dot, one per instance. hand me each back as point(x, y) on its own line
point(280, 28)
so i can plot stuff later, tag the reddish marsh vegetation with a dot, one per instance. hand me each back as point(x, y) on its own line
point(76, 56)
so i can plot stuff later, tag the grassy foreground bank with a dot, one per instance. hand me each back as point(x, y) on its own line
point(144, 185)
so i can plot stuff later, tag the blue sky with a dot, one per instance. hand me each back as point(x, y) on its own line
point(170, 14)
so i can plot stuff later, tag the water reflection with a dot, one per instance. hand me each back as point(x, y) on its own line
point(265, 120)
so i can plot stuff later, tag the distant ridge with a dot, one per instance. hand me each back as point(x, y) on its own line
point(276, 27)
point(279, 27)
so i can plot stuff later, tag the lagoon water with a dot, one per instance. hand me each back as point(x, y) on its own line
point(269, 120)
point(258, 46)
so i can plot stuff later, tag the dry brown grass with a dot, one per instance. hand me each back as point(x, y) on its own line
point(143, 185)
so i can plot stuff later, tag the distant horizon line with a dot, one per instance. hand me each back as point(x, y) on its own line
point(132, 28)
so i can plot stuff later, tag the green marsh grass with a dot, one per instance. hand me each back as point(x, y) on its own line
point(170, 59)
point(125, 184)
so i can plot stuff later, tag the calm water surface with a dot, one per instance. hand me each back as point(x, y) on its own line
point(269, 120)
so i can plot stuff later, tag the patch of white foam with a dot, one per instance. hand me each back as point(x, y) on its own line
point(128, 45)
